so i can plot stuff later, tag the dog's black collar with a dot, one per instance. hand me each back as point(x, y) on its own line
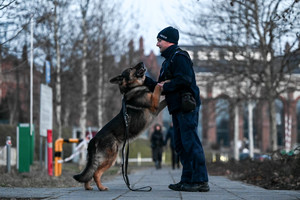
point(132, 90)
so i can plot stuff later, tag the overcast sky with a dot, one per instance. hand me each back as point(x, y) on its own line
point(155, 15)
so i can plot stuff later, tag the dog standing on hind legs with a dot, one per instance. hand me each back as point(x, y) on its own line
point(142, 107)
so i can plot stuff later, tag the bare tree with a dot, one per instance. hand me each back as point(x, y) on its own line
point(14, 21)
point(48, 35)
point(251, 34)
point(5, 4)
point(84, 90)
point(58, 69)
point(106, 39)
point(77, 52)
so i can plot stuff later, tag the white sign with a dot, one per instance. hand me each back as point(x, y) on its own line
point(46, 110)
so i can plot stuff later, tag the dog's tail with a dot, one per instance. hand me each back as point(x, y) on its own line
point(90, 168)
point(86, 175)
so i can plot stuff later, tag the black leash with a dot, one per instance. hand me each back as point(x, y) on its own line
point(125, 159)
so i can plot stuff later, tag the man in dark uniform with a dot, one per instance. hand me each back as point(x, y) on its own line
point(177, 78)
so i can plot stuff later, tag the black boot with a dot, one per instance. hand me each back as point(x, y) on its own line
point(177, 186)
point(196, 187)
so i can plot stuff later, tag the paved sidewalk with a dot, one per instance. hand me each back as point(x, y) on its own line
point(221, 188)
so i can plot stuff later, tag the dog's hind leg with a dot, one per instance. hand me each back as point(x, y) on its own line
point(87, 185)
point(98, 174)
point(102, 168)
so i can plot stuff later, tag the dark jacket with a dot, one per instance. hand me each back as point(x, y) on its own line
point(157, 139)
point(178, 68)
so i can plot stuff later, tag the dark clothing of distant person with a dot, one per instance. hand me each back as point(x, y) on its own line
point(157, 143)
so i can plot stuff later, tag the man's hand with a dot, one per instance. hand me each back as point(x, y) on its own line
point(161, 85)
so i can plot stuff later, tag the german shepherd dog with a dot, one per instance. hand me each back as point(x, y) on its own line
point(142, 107)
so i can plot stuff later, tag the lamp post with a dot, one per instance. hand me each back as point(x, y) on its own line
point(31, 73)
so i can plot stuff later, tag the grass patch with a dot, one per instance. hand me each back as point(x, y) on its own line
point(144, 147)
point(140, 145)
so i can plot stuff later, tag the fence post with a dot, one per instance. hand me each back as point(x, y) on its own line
point(8, 154)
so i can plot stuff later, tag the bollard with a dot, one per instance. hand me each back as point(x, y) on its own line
point(58, 153)
point(8, 154)
point(50, 154)
point(139, 159)
point(57, 156)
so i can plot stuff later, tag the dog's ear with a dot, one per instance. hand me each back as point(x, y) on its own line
point(140, 64)
point(117, 79)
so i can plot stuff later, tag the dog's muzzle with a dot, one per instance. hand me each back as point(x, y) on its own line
point(140, 72)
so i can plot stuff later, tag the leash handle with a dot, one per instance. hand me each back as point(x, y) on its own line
point(125, 157)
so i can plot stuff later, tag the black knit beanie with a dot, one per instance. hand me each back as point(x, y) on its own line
point(169, 34)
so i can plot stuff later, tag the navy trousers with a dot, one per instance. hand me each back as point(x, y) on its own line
point(189, 147)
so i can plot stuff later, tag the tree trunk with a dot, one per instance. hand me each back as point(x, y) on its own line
point(273, 127)
point(66, 116)
point(100, 87)
point(271, 103)
point(58, 70)
point(83, 113)
point(12, 105)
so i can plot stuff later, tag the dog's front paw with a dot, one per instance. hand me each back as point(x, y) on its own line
point(158, 88)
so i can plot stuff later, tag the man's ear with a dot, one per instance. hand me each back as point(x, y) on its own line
point(117, 79)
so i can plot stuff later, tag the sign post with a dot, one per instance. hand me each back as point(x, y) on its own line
point(46, 113)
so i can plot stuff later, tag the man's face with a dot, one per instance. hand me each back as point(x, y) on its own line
point(162, 44)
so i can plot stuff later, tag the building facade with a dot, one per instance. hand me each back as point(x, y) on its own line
point(219, 97)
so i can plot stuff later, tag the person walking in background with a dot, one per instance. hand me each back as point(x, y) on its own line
point(174, 155)
point(178, 83)
point(157, 143)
